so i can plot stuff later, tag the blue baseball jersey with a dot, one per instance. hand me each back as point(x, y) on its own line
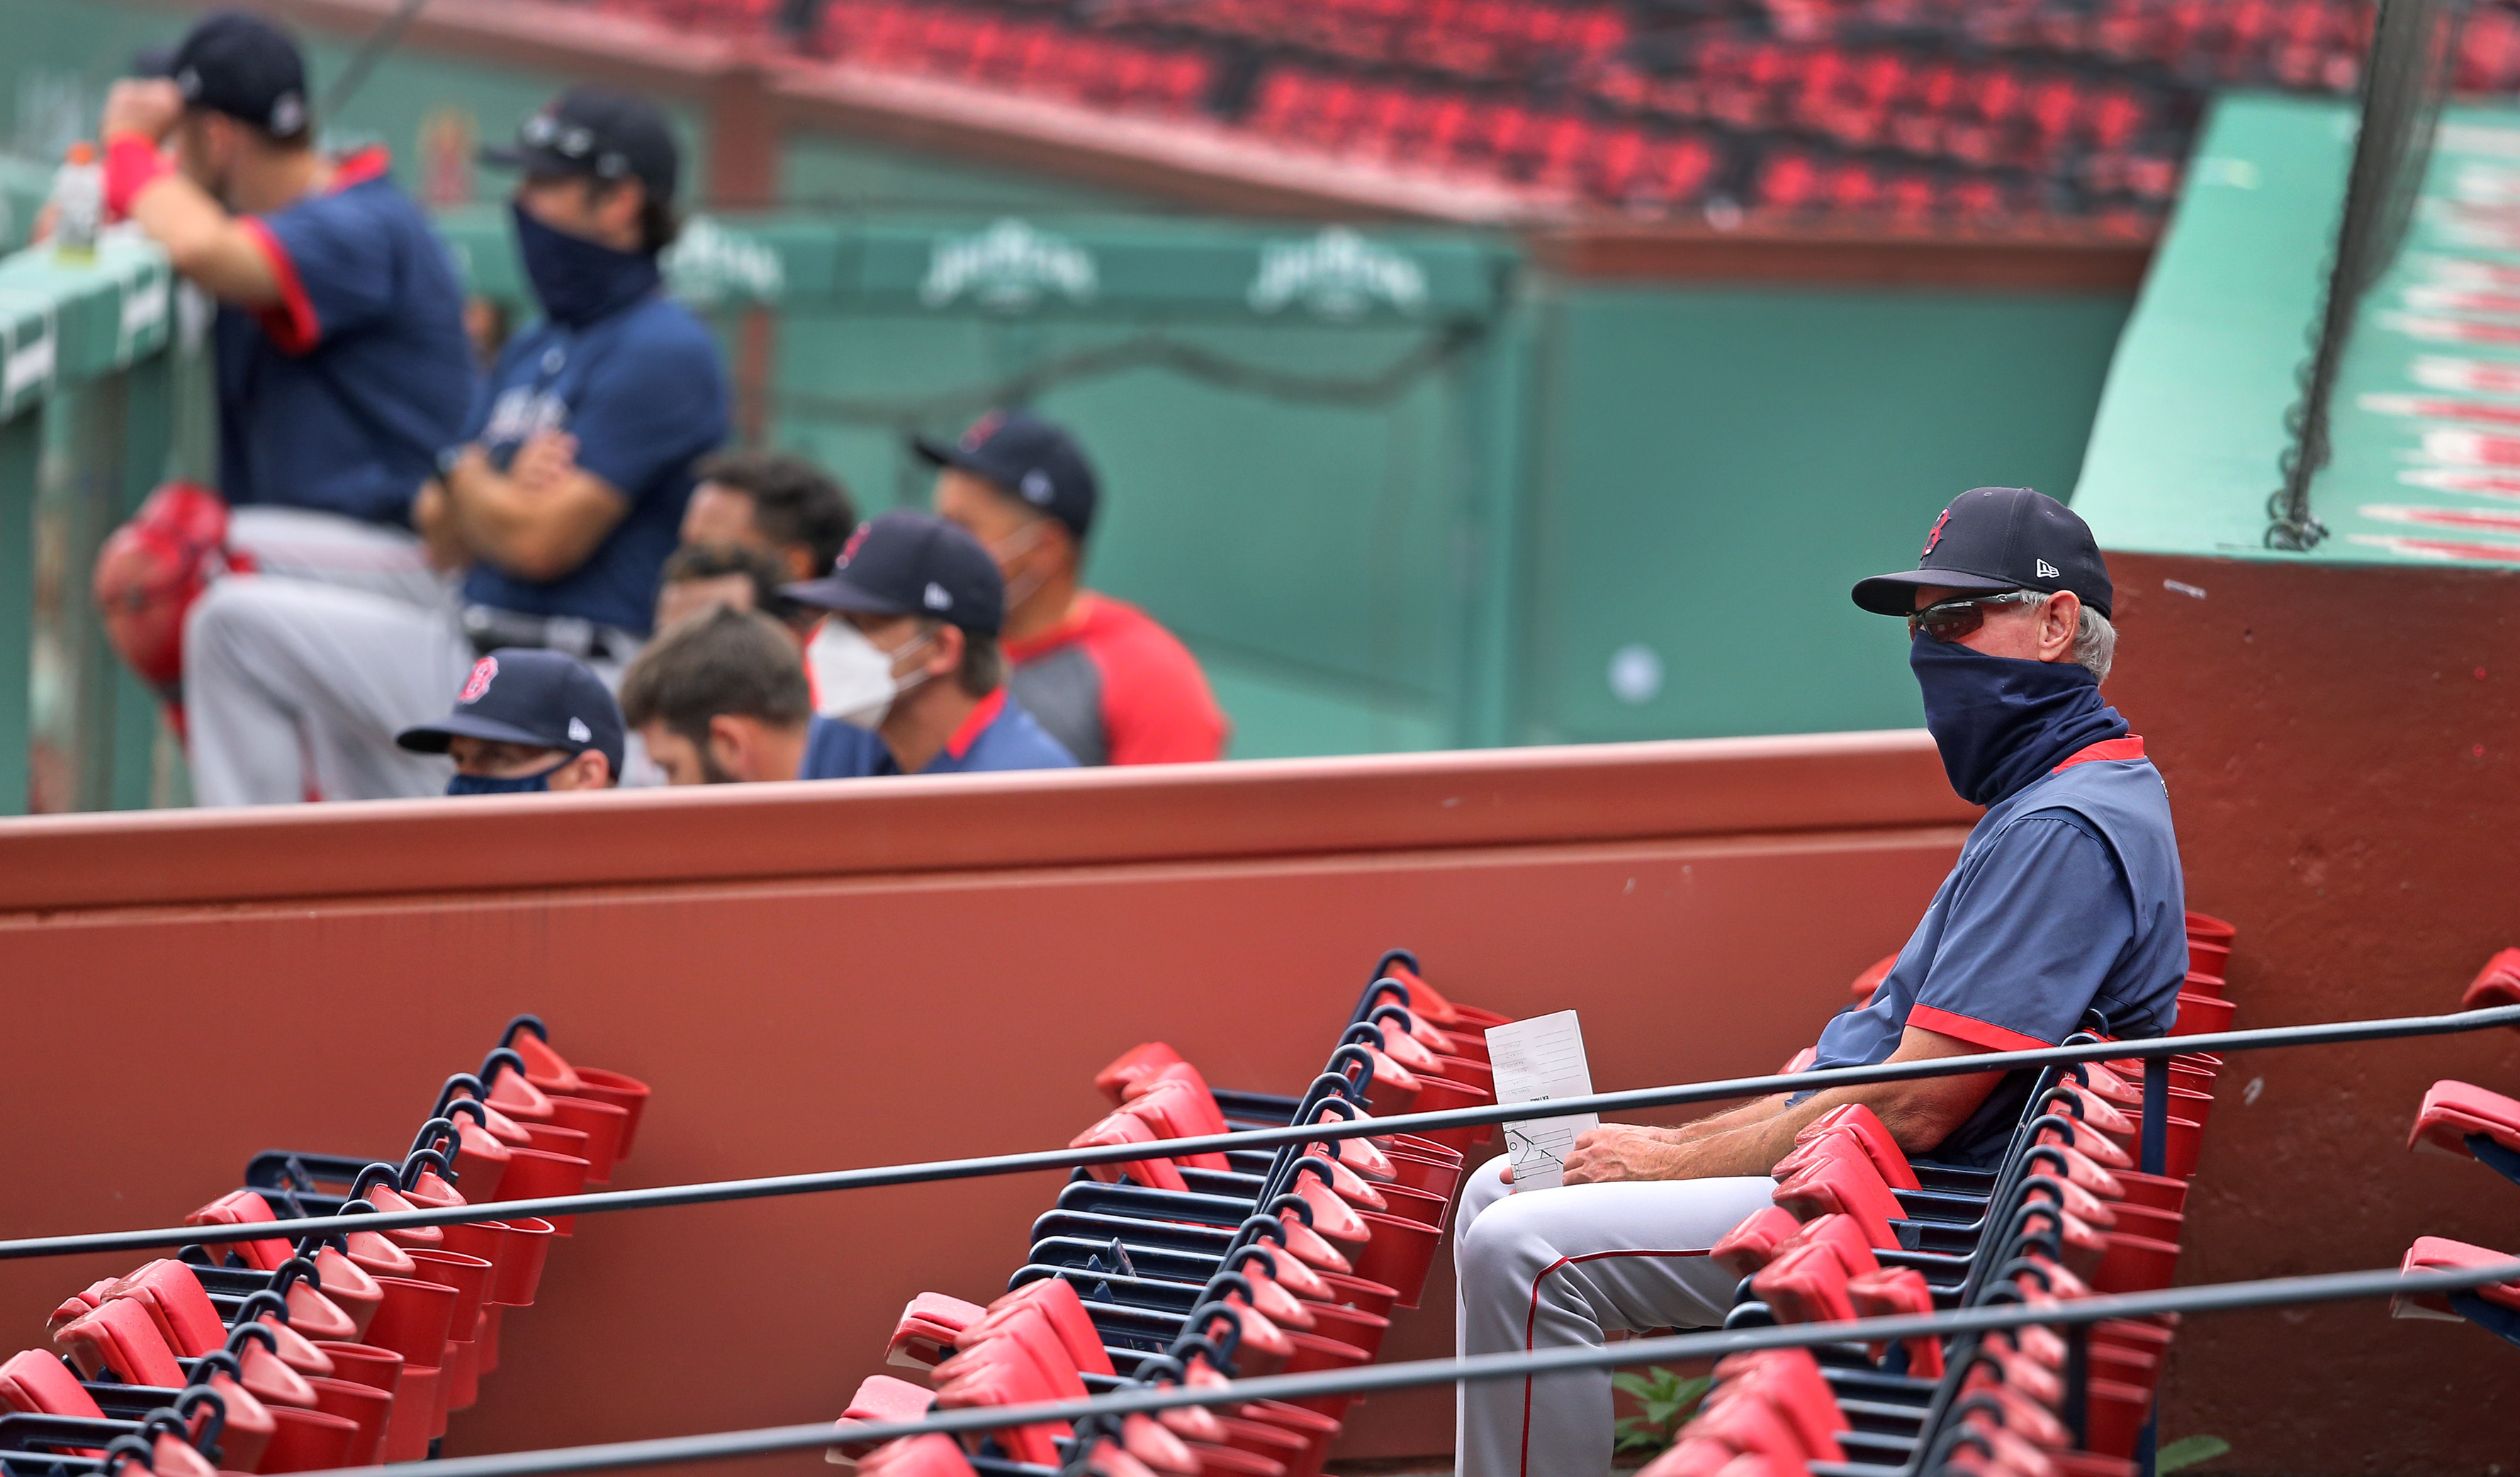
point(645, 395)
point(2067, 909)
point(340, 395)
point(998, 735)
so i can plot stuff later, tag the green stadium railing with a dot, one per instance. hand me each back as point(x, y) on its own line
point(107, 394)
point(93, 370)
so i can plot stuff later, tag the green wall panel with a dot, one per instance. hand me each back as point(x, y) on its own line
point(1718, 465)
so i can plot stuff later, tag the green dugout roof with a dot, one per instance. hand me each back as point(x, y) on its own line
point(2426, 412)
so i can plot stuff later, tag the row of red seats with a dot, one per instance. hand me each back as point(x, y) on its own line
point(1481, 40)
point(1982, 114)
point(2298, 43)
point(981, 45)
point(285, 1354)
point(1857, 1229)
point(1196, 1268)
point(2474, 1123)
point(1437, 132)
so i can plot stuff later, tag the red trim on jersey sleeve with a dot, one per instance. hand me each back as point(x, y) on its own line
point(977, 722)
point(2128, 747)
point(1976, 1033)
point(359, 167)
point(290, 321)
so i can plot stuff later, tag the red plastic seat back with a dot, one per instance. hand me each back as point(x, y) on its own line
point(1058, 1301)
point(121, 1337)
point(1750, 1245)
point(1848, 1185)
point(244, 1207)
point(1156, 1173)
point(2496, 984)
point(1136, 1062)
point(176, 1302)
point(36, 1383)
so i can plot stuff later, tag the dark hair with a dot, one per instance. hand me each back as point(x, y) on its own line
point(984, 668)
point(796, 504)
point(727, 661)
point(691, 561)
point(658, 225)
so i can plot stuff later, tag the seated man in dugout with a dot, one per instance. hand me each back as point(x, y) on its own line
point(2066, 911)
point(527, 719)
point(927, 597)
point(721, 699)
point(699, 579)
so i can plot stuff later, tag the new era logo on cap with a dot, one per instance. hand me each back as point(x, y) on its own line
point(2047, 570)
point(936, 597)
point(1036, 487)
point(578, 730)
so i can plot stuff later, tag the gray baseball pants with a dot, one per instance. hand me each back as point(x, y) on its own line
point(297, 677)
point(1555, 1268)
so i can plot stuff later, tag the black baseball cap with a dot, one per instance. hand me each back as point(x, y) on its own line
point(600, 134)
point(526, 695)
point(912, 563)
point(246, 68)
point(1994, 539)
point(1027, 458)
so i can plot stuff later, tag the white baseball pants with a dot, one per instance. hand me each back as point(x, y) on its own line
point(1555, 1268)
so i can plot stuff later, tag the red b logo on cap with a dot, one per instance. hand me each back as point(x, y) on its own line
point(1936, 535)
point(480, 682)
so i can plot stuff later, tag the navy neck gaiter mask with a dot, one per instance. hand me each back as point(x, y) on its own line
point(502, 784)
point(2003, 722)
point(577, 280)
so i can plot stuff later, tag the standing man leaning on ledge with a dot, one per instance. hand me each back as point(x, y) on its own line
point(2065, 908)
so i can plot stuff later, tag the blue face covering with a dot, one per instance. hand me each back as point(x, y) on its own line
point(2003, 722)
point(494, 785)
point(579, 281)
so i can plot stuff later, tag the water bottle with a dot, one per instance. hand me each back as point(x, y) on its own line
point(78, 203)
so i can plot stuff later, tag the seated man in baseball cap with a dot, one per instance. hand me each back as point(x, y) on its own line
point(526, 720)
point(927, 595)
point(2066, 911)
point(1110, 685)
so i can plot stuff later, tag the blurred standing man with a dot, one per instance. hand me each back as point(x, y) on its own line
point(1110, 684)
point(342, 368)
point(926, 596)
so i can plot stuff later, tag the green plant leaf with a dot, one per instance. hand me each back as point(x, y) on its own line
point(1636, 1385)
point(2186, 1452)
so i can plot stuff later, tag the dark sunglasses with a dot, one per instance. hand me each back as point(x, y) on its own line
point(1953, 619)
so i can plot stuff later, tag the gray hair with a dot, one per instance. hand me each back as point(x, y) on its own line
point(2095, 643)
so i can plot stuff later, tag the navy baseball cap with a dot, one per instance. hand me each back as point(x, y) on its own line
point(246, 68)
point(1029, 459)
point(526, 695)
point(912, 563)
point(1994, 539)
point(600, 134)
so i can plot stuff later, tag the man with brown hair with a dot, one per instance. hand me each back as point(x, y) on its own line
point(720, 699)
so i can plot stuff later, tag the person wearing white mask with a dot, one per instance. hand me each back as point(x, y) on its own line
point(924, 596)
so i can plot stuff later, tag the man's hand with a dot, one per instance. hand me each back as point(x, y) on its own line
point(433, 518)
point(544, 462)
point(146, 106)
point(1621, 1151)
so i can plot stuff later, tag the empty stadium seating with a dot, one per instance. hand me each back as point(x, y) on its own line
point(285, 1354)
point(1914, 113)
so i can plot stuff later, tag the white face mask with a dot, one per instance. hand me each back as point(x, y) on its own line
point(852, 675)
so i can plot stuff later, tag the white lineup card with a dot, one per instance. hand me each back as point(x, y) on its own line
point(1538, 1060)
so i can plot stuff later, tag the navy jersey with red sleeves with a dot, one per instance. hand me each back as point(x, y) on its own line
point(645, 395)
point(2067, 904)
point(340, 395)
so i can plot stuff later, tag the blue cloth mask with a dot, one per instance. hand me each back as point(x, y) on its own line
point(2003, 722)
point(495, 784)
point(577, 280)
